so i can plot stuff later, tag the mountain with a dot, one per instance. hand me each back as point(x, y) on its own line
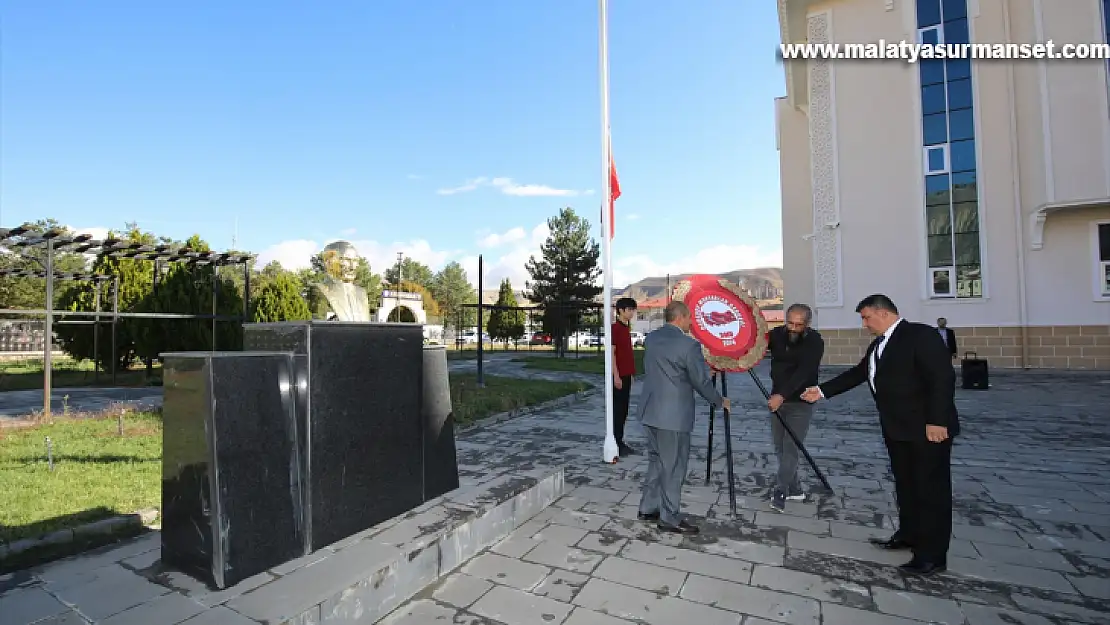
point(763, 282)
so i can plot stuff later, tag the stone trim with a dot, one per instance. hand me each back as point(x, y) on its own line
point(1049, 347)
point(102, 527)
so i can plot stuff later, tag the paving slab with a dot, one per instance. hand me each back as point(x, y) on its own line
point(1031, 541)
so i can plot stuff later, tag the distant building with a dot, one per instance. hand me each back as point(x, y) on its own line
point(978, 192)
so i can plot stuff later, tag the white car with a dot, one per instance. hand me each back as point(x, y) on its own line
point(470, 337)
point(637, 339)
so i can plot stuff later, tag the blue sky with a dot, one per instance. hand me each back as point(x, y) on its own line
point(307, 122)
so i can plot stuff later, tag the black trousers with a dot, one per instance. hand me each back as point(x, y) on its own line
point(923, 488)
point(621, 398)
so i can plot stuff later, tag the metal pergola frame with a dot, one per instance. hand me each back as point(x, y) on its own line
point(55, 240)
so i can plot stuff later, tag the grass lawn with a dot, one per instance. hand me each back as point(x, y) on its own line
point(472, 403)
point(582, 364)
point(27, 375)
point(98, 473)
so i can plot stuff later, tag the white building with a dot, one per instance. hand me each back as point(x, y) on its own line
point(976, 191)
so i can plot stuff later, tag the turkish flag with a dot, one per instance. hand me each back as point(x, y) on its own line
point(614, 193)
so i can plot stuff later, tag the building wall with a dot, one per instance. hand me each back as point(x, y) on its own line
point(1042, 133)
point(797, 202)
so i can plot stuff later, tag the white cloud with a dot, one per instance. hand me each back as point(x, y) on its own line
point(506, 254)
point(716, 259)
point(469, 185)
point(415, 177)
point(95, 232)
point(297, 254)
point(632, 216)
point(508, 187)
point(497, 240)
point(349, 232)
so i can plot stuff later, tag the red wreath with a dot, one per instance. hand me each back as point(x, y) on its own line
point(725, 320)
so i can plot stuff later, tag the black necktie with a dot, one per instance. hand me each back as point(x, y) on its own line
point(878, 344)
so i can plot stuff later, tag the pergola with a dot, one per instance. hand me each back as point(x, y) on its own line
point(20, 240)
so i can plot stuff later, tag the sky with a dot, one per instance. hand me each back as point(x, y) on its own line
point(441, 129)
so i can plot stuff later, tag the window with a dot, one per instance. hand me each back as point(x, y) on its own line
point(949, 155)
point(936, 159)
point(1101, 245)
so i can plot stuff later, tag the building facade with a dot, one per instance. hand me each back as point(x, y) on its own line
point(975, 191)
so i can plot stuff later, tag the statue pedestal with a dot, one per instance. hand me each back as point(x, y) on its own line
point(358, 408)
point(230, 503)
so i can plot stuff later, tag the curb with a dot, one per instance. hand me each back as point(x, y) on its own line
point(566, 400)
point(103, 527)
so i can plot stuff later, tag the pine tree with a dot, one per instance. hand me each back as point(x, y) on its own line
point(564, 279)
point(280, 299)
point(506, 324)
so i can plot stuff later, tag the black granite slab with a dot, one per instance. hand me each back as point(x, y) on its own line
point(441, 468)
point(230, 483)
point(359, 388)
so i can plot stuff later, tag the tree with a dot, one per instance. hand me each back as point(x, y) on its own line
point(188, 289)
point(30, 293)
point(280, 299)
point(565, 277)
point(451, 289)
point(506, 325)
point(136, 278)
point(411, 271)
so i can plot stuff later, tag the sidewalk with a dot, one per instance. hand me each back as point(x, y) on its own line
point(1032, 517)
point(1030, 548)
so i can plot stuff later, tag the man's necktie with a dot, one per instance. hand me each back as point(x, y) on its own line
point(878, 344)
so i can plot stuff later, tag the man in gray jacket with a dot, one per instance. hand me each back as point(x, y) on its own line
point(673, 369)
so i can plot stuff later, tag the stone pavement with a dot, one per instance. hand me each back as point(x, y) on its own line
point(1032, 516)
point(1032, 533)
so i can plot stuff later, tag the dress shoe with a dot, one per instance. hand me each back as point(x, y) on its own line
point(682, 528)
point(648, 516)
point(922, 568)
point(890, 544)
point(626, 451)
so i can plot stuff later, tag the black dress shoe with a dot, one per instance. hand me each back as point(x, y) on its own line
point(647, 516)
point(625, 451)
point(682, 528)
point(922, 568)
point(890, 544)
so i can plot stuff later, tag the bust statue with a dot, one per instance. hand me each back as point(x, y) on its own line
point(346, 299)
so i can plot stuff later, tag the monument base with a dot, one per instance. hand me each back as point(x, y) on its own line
point(359, 392)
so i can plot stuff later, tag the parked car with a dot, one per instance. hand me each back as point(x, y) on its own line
point(637, 339)
point(541, 338)
point(470, 337)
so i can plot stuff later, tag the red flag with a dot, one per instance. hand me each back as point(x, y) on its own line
point(614, 193)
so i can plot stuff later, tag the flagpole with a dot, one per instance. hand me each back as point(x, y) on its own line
point(609, 448)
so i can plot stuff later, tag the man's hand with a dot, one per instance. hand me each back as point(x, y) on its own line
point(726, 405)
point(617, 382)
point(774, 402)
point(811, 394)
point(936, 433)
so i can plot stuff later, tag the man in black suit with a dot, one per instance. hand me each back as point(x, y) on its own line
point(948, 336)
point(910, 375)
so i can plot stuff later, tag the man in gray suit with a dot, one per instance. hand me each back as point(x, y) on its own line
point(673, 369)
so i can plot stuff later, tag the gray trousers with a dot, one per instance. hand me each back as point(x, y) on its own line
point(668, 456)
point(797, 415)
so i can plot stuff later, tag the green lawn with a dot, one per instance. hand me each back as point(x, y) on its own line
point(27, 375)
point(582, 364)
point(98, 473)
point(471, 403)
